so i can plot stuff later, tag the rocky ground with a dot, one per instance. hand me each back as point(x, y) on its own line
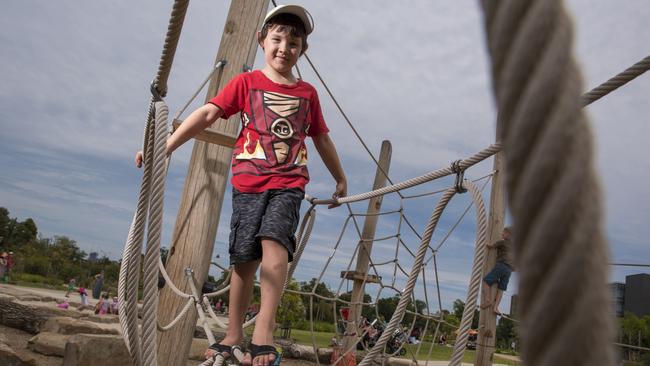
point(35, 332)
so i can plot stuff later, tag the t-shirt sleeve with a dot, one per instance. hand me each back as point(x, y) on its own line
point(232, 97)
point(318, 125)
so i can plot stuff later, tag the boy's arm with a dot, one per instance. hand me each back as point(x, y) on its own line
point(196, 122)
point(327, 152)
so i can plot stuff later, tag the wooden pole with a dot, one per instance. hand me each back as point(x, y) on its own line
point(365, 246)
point(198, 214)
point(487, 320)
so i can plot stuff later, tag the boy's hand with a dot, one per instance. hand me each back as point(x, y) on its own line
point(341, 191)
point(138, 159)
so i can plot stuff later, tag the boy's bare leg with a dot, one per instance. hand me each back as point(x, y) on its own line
point(272, 277)
point(241, 291)
point(497, 301)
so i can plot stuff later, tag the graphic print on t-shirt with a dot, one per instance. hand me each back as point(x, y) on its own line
point(274, 133)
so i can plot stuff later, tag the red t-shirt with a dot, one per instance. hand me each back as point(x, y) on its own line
point(270, 152)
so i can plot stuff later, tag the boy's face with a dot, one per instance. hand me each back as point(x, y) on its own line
point(281, 50)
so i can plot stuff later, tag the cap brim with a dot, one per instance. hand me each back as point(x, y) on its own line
point(296, 10)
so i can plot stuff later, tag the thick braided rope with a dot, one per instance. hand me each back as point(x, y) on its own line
point(130, 267)
point(464, 164)
point(617, 81)
point(552, 190)
point(169, 48)
point(405, 298)
point(475, 281)
point(181, 315)
point(152, 255)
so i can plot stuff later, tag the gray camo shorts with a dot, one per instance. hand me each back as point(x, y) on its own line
point(272, 214)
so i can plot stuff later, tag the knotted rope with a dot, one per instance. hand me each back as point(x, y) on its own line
point(552, 189)
point(405, 298)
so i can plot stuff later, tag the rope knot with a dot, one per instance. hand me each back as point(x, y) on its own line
point(460, 176)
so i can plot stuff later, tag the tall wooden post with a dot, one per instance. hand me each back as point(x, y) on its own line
point(200, 208)
point(360, 275)
point(487, 319)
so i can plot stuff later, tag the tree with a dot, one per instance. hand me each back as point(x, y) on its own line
point(291, 309)
point(322, 309)
point(459, 308)
point(505, 333)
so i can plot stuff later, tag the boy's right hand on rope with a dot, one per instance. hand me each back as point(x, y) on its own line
point(340, 192)
point(138, 159)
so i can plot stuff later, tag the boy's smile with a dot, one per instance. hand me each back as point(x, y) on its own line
point(281, 52)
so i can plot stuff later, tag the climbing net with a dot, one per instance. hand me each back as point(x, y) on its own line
point(420, 257)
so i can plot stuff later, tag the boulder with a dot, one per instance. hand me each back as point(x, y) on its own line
point(96, 350)
point(104, 318)
point(49, 344)
point(8, 357)
point(197, 349)
point(65, 325)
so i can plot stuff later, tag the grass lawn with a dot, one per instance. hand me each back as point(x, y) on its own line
point(438, 353)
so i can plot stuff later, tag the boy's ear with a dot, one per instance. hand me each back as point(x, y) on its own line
point(260, 39)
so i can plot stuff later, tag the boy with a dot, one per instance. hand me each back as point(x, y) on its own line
point(500, 274)
point(269, 172)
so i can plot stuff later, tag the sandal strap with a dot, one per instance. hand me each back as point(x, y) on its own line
point(264, 349)
point(221, 348)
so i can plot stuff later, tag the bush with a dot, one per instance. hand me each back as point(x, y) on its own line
point(37, 279)
point(318, 326)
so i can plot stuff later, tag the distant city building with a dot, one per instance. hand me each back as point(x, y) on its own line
point(513, 306)
point(618, 297)
point(637, 294)
point(92, 257)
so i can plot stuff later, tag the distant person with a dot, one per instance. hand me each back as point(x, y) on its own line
point(103, 305)
point(414, 338)
point(115, 306)
point(10, 266)
point(83, 297)
point(3, 264)
point(443, 339)
point(218, 307)
point(99, 284)
point(71, 286)
point(500, 273)
point(63, 305)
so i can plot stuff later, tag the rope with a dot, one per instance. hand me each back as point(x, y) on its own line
point(552, 190)
point(152, 255)
point(169, 48)
point(616, 82)
point(417, 265)
point(464, 164)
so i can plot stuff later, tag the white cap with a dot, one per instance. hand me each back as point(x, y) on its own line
point(296, 10)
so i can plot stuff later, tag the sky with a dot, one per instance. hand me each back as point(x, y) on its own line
point(74, 92)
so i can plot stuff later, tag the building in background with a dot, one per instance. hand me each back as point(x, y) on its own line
point(92, 257)
point(637, 294)
point(513, 306)
point(618, 297)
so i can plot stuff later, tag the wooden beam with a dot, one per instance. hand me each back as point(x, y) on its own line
point(365, 247)
point(357, 276)
point(211, 135)
point(487, 318)
point(198, 214)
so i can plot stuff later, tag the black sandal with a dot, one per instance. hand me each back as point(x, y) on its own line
point(222, 350)
point(265, 349)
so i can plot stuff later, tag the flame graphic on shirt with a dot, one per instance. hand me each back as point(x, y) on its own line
point(258, 153)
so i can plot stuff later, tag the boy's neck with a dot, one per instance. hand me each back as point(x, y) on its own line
point(276, 77)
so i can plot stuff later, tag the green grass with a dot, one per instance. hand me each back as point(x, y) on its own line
point(438, 353)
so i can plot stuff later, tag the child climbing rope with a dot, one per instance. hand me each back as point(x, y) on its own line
point(500, 274)
point(269, 168)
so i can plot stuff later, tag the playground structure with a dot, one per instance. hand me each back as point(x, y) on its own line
point(537, 89)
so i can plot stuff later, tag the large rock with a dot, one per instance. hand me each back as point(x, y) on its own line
point(15, 315)
point(197, 349)
point(8, 357)
point(65, 325)
point(103, 318)
point(49, 344)
point(96, 350)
